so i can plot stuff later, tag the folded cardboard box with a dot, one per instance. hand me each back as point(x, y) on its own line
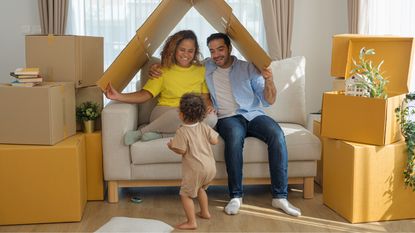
point(42, 184)
point(43, 114)
point(361, 119)
point(162, 21)
point(78, 59)
point(364, 183)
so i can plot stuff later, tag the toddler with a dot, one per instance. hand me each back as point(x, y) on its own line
point(192, 140)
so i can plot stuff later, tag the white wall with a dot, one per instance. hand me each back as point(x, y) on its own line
point(315, 22)
point(17, 18)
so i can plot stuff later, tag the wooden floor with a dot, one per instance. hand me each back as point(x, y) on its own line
point(256, 214)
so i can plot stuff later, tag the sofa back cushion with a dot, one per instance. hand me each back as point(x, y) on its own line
point(144, 109)
point(289, 79)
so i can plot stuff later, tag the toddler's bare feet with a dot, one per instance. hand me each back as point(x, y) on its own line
point(187, 226)
point(203, 215)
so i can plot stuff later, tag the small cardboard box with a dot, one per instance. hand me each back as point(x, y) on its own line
point(364, 183)
point(94, 173)
point(369, 120)
point(93, 94)
point(42, 184)
point(78, 59)
point(43, 114)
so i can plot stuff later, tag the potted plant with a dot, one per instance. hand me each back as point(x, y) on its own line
point(87, 113)
point(406, 119)
point(367, 77)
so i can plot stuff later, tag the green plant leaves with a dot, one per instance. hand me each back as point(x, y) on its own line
point(369, 76)
point(88, 111)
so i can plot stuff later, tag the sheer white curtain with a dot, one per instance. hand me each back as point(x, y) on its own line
point(395, 17)
point(118, 20)
point(388, 17)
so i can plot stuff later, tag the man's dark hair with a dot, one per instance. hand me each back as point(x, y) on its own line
point(219, 35)
point(193, 107)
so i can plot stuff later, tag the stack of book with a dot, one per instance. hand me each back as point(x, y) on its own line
point(26, 77)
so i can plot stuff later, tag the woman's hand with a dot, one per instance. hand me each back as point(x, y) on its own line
point(111, 93)
point(155, 71)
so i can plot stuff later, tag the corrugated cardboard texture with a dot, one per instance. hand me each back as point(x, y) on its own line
point(364, 183)
point(92, 93)
point(169, 12)
point(43, 114)
point(44, 183)
point(78, 59)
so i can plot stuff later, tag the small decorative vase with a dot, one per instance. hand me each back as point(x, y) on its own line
point(89, 126)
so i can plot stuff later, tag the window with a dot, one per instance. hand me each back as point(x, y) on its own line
point(388, 17)
point(118, 20)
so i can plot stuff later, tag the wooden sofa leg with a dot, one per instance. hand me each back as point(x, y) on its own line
point(112, 191)
point(308, 187)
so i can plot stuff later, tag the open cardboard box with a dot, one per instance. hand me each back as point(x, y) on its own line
point(364, 183)
point(361, 119)
point(158, 26)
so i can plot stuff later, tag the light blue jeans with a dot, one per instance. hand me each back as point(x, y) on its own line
point(234, 130)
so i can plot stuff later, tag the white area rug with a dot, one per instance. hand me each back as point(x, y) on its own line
point(124, 224)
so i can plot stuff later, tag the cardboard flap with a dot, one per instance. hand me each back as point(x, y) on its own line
point(161, 22)
point(396, 54)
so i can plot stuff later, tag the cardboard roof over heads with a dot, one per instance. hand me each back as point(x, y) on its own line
point(162, 21)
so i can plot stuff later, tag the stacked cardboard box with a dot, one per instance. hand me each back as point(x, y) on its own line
point(364, 152)
point(45, 115)
point(43, 183)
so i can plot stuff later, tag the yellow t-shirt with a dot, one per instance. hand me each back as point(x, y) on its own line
point(175, 82)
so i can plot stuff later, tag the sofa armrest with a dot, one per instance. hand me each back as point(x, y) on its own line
point(117, 118)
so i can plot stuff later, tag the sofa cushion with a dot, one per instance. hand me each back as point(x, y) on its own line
point(301, 145)
point(289, 79)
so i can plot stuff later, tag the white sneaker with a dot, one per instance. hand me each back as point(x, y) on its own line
point(282, 203)
point(233, 206)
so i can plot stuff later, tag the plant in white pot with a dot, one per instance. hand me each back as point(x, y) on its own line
point(367, 77)
point(87, 113)
point(406, 118)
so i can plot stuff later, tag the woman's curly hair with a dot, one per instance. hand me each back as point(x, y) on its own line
point(192, 107)
point(168, 57)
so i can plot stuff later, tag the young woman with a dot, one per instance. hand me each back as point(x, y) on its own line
point(182, 73)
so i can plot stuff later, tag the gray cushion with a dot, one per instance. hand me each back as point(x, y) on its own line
point(301, 145)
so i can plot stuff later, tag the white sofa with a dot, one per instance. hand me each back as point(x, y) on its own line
point(153, 164)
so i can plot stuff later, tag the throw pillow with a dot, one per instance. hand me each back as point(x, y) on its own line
point(289, 79)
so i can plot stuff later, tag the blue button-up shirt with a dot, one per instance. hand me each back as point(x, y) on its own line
point(247, 87)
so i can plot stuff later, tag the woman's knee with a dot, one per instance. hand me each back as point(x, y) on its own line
point(211, 119)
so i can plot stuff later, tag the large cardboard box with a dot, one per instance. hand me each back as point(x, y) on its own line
point(43, 114)
point(160, 23)
point(94, 173)
point(42, 184)
point(368, 120)
point(364, 183)
point(78, 59)
point(92, 93)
